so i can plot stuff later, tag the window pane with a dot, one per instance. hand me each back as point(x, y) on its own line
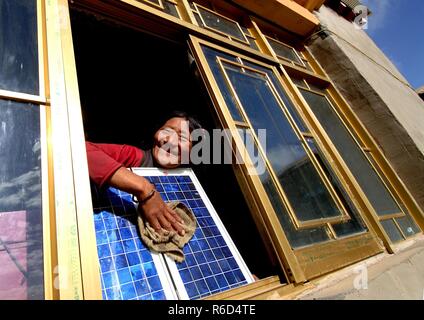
point(18, 46)
point(371, 184)
point(21, 254)
point(252, 43)
point(355, 224)
point(284, 51)
point(222, 24)
point(282, 93)
point(408, 226)
point(199, 21)
point(211, 56)
point(171, 9)
point(298, 82)
point(298, 177)
point(297, 238)
point(392, 231)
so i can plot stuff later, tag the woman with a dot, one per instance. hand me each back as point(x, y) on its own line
point(172, 143)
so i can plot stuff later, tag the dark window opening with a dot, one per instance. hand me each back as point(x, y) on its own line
point(127, 80)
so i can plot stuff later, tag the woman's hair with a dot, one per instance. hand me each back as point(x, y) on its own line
point(193, 123)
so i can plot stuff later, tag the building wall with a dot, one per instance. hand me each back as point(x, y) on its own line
point(381, 97)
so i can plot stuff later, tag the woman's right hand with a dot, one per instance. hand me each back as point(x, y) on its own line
point(156, 212)
point(159, 215)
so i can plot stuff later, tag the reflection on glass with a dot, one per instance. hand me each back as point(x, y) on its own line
point(354, 224)
point(299, 82)
point(298, 177)
point(170, 8)
point(198, 19)
point(21, 255)
point(211, 56)
point(252, 43)
point(408, 226)
point(297, 238)
point(282, 94)
point(392, 231)
point(18, 46)
point(371, 184)
point(222, 24)
point(284, 51)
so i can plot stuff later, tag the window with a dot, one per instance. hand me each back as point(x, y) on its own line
point(19, 47)
point(168, 6)
point(382, 200)
point(313, 193)
point(212, 20)
point(301, 193)
point(105, 52)
point(21, 140)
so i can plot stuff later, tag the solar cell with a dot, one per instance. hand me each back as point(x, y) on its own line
point(212, 263)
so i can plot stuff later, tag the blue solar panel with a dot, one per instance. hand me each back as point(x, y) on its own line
point(209, 266)
point(127, 268)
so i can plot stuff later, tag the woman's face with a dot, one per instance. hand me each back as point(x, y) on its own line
point(172, 143)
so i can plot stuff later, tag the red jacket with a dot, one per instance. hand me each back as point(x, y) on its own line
point(105, 159)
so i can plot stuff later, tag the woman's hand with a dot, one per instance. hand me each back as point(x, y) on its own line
point(156, 212)
point(159, 215)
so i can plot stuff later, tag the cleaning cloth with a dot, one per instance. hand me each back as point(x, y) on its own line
point(169, 242)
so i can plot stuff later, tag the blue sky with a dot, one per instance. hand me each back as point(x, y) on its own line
point(397, 26)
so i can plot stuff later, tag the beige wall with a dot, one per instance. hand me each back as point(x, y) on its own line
point(381, 97)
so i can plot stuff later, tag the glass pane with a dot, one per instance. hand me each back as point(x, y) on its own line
point(211, 56)
point(171, 9)
point(297, 238)
point(252, 43)
point(298, 82)
point(284, 51)
point(199, 21)
point(355, 224)
point(298, 177)
point(222, 24)
point(408, 226)
point(282, 94)
point(18, 46)
point(371, 184)
point(21, 246)
point(392, 231)
point(156, 2)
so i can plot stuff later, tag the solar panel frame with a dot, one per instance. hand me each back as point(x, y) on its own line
point(171, 265)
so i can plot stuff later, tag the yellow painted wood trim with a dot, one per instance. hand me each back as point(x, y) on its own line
point(248, 290)
point(84, 208)
point(285, 13)
point(69, 278)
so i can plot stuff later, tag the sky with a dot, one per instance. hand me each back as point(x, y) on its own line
point(397, 26)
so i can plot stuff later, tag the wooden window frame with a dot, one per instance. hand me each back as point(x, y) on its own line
point(67, 165)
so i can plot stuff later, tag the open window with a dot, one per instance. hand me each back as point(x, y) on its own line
point(127, 80)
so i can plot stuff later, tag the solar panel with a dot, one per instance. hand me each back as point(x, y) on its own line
point(212, 263)
point(128, 270)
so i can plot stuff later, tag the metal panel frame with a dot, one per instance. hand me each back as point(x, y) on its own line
point(181, 291)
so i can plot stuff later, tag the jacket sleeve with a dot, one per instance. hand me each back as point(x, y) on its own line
point(105, 159)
